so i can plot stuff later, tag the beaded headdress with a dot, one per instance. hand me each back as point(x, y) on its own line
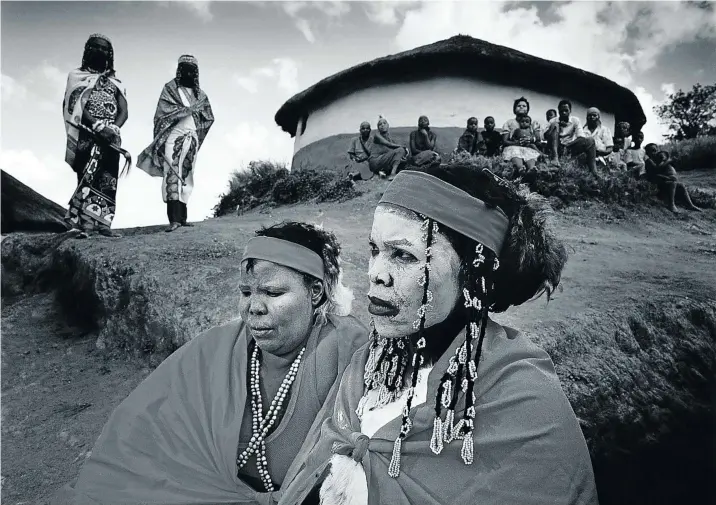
point(437, 201)
point(190, 60)
point(110, 57)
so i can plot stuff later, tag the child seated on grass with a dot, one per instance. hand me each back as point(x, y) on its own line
point(491, 143)
point(660, 171)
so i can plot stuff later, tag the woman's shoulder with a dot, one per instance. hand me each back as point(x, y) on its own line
point(347, 332)
point(510, 125)
point(514, 363)
point(216, 339)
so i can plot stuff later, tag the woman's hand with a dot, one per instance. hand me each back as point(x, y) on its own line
point(111, 134)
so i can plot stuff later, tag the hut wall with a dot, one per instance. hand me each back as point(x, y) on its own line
point(447, 101)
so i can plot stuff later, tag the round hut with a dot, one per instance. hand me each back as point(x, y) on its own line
point(448, 81)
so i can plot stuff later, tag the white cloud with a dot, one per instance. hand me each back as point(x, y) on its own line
point(283, 70)
point(50, 176)
point(653, 130)
point(199, 7)
point(305, 28)
point(12, 90)
point(297, 10)
point(387, 12)
point(618, 40)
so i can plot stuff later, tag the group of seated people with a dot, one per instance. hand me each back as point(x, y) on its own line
point(523, 142)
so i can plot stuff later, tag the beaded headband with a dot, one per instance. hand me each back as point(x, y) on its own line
point(188, 58)
point(450, 206)
point(286, 253)
point(99, 36)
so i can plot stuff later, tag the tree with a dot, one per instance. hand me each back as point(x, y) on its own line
point(689, 114)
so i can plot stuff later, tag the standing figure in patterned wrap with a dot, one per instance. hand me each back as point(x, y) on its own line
point(95, 98)
point(181, 122)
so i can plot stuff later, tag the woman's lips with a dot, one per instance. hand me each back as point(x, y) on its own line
point(380, 307)
point(258, 332)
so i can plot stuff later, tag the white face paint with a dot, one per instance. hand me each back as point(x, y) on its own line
point(396, 265)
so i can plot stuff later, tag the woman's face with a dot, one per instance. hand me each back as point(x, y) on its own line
point(382, 126)
point(521, 108)
point(365, 129)
point(98, 53)
point(397, 260)
point(277, 306)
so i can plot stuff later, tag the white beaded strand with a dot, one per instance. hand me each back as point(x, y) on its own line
point(260, 425)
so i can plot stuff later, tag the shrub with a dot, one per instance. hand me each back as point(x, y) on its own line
point(572, 182)
point(250, 187)
point(267, 183)
point(691, 154)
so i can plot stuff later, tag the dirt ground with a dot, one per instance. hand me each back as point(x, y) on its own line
point(58, 389)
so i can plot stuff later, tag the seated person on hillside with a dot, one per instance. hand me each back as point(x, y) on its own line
point(470, 139)
point(622, 142)
point(386, 157)
point(635, 157)
point(223, 418)
point(521, 147)
point(544, 145)
point(661, 172)
point(491, 143)
point(565, 137)
point(422, 145)
point(359, 152)
point(603, 140)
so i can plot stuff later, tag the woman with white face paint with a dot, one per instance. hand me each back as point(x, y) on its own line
point(445, 406)
point(223, 418)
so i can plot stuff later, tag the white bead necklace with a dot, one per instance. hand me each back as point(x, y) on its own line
point(261, 425)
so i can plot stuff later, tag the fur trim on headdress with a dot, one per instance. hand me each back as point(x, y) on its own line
point(531, 235)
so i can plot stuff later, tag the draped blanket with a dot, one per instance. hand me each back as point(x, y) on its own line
point(529, 448)
point(174, 439)
point(170, 110)
point(79, 86)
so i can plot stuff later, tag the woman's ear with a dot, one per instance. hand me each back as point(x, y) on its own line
point(317, 291)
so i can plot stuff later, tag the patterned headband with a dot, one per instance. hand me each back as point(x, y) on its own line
point(188, 58)
point(286, 253)
point(450, 206)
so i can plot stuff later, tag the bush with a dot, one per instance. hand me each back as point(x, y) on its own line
point(267, 183)
point(693, 153)
point(573, 183)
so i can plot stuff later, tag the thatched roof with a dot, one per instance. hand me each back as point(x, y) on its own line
point(23, 209)
point(466, 56)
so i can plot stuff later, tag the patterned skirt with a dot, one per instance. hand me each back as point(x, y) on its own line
point(92, 205)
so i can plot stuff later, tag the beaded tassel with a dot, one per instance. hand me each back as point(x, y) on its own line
point(448, 428)
point(436, 441)
point(394, 467)
point(467, 448)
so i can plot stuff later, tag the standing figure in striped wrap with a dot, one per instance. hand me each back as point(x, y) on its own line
point(181, 122)
point(443, 405)
point(94, 109)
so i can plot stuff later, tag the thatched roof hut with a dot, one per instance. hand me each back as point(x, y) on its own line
point(460, 76)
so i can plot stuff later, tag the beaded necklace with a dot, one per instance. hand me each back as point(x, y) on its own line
point(260, 425)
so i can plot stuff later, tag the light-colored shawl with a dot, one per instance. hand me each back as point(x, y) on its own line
point(79, 86)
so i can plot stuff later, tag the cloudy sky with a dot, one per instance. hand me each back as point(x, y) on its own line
point(253, 56)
